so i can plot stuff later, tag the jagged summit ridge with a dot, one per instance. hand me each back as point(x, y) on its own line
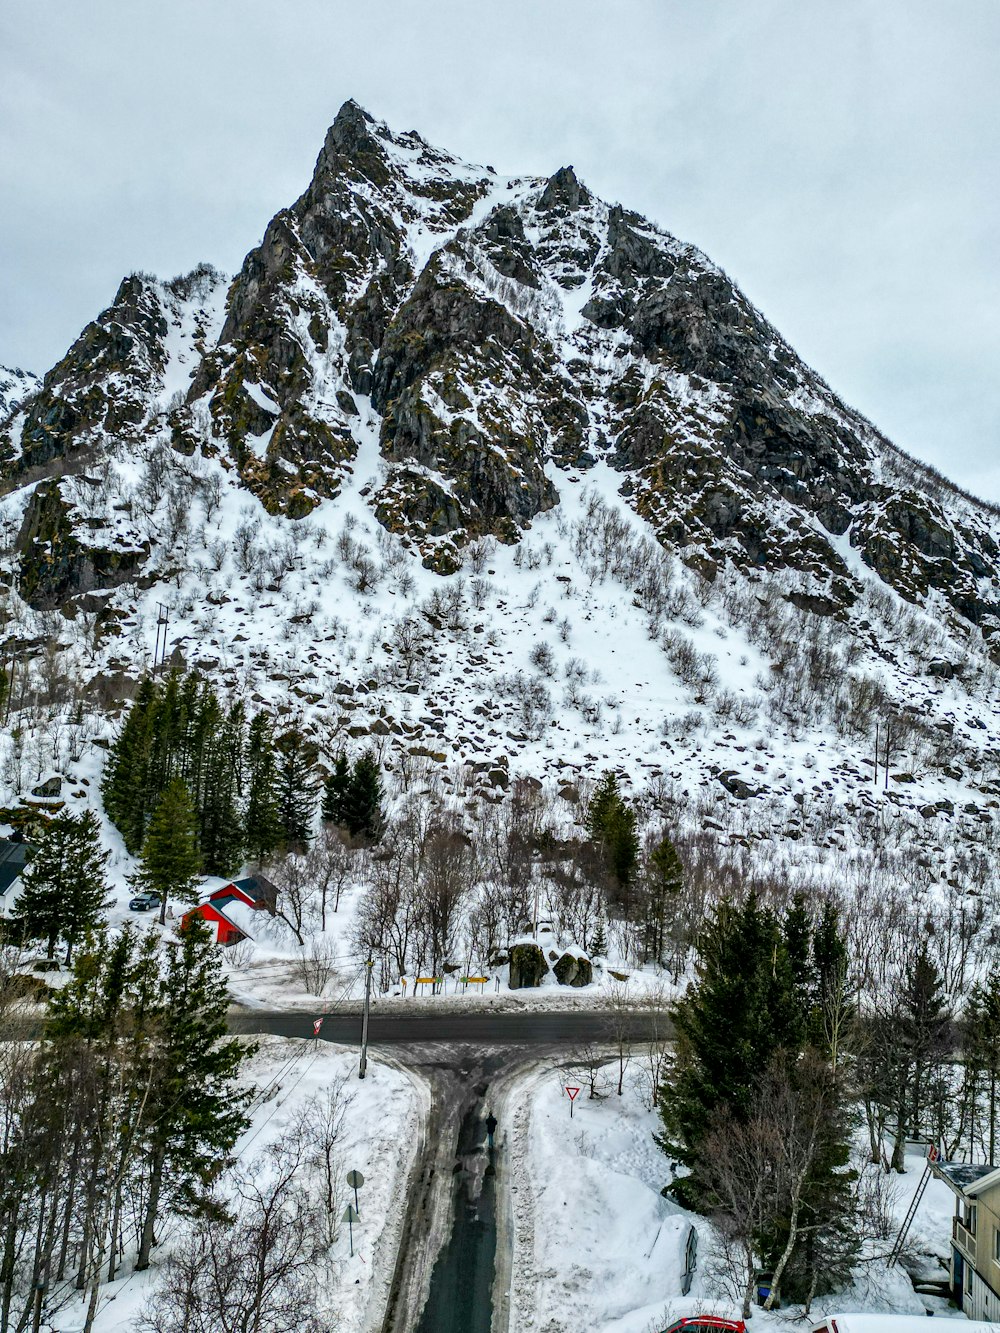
point(503, 327)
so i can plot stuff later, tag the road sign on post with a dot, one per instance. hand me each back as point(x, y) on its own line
point(572, 1094)
point(364, 1021)
point(350, 1217)
point(355, 1179)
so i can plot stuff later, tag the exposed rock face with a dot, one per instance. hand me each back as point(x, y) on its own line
point(58, 557)
point(573, 969)
point(471, 339)
point(15, 385)
point(100, 389)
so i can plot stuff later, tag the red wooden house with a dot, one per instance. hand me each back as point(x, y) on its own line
point(230, 908)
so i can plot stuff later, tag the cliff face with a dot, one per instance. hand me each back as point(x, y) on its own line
point(508, 332)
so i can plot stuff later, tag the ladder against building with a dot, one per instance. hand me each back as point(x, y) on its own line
point(911, 1212)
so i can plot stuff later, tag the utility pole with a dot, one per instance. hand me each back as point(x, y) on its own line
point(364, 1021)
point(876, 756)
point(160, 651)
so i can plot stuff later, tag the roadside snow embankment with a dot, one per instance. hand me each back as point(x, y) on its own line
point(593, 1243)
point(378, 1134)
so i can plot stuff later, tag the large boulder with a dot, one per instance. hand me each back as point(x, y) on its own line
point(527, 966)
point(573, 969)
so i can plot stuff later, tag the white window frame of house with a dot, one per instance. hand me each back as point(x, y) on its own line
point(996, 1245)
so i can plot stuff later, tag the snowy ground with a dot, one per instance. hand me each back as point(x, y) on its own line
point(592, 1235)
point(264, 977)
point(381, 1134)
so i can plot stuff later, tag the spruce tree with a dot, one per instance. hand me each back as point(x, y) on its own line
point(925, 1022)
point(125, 785)
point(612, 824)
point(732, 1020)
point(798, 942)
point(220, 828)
point(605, 799)
point(263, 829)
point(337, 792)
point(363, 815)
point(63, 891)
point(981, 1047)
point(830, 1008)
point(599, 942)
point(171, 859)
point(296, 787)
point(196, 1110)
point(663, 884)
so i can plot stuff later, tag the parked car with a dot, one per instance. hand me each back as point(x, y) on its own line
point(144, 902)
point(706, 1323)
point(891, 1323)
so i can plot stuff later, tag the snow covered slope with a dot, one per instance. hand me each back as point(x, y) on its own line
point(15, 386)
point(502, 479)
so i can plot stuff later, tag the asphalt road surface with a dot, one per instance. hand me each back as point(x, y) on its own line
point(479, 1029)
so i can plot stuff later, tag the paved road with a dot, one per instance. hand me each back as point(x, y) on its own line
point(479, 1029)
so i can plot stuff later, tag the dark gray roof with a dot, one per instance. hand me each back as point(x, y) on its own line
point(962, 1175)
point(13, 856)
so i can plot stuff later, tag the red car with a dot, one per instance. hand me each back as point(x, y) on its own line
point(706, 1323)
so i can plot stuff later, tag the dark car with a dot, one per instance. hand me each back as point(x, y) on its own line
point(144, 902)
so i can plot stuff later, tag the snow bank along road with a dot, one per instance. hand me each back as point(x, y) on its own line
point(477, 1029)
point(468, 1060)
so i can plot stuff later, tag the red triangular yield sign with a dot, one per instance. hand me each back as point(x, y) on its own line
point(572, 1093)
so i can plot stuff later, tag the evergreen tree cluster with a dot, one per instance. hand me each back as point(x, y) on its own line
point(353, 795)
point(251, 792)
point(63, 890)
point(612, 825)
point(123, 1111)
point(757, 1043)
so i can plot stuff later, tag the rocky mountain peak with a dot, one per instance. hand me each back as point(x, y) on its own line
point(496, 335)
point(563, 190)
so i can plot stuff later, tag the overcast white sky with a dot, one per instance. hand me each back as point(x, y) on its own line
point(838, 157)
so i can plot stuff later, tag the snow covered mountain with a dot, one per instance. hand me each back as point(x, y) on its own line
point(15, 386)
point(503, 479)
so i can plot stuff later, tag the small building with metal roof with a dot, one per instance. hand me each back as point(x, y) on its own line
point(975, 1236)
point(15, 853)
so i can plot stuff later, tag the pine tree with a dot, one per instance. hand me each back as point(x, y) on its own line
point(171, 859)
point(663, 884)
point(364, 817)
point(296, 787)
point(981, 1047)
point(220, 828)
point(337, 792)
point(197, 1110)
point(741, 1010)
point(612, 824)
point(830, 1009)
point(262, 815)
point(63, 889)
point(126, 776)
point(599, 943)
point(924, 1028)
point(798, 943)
